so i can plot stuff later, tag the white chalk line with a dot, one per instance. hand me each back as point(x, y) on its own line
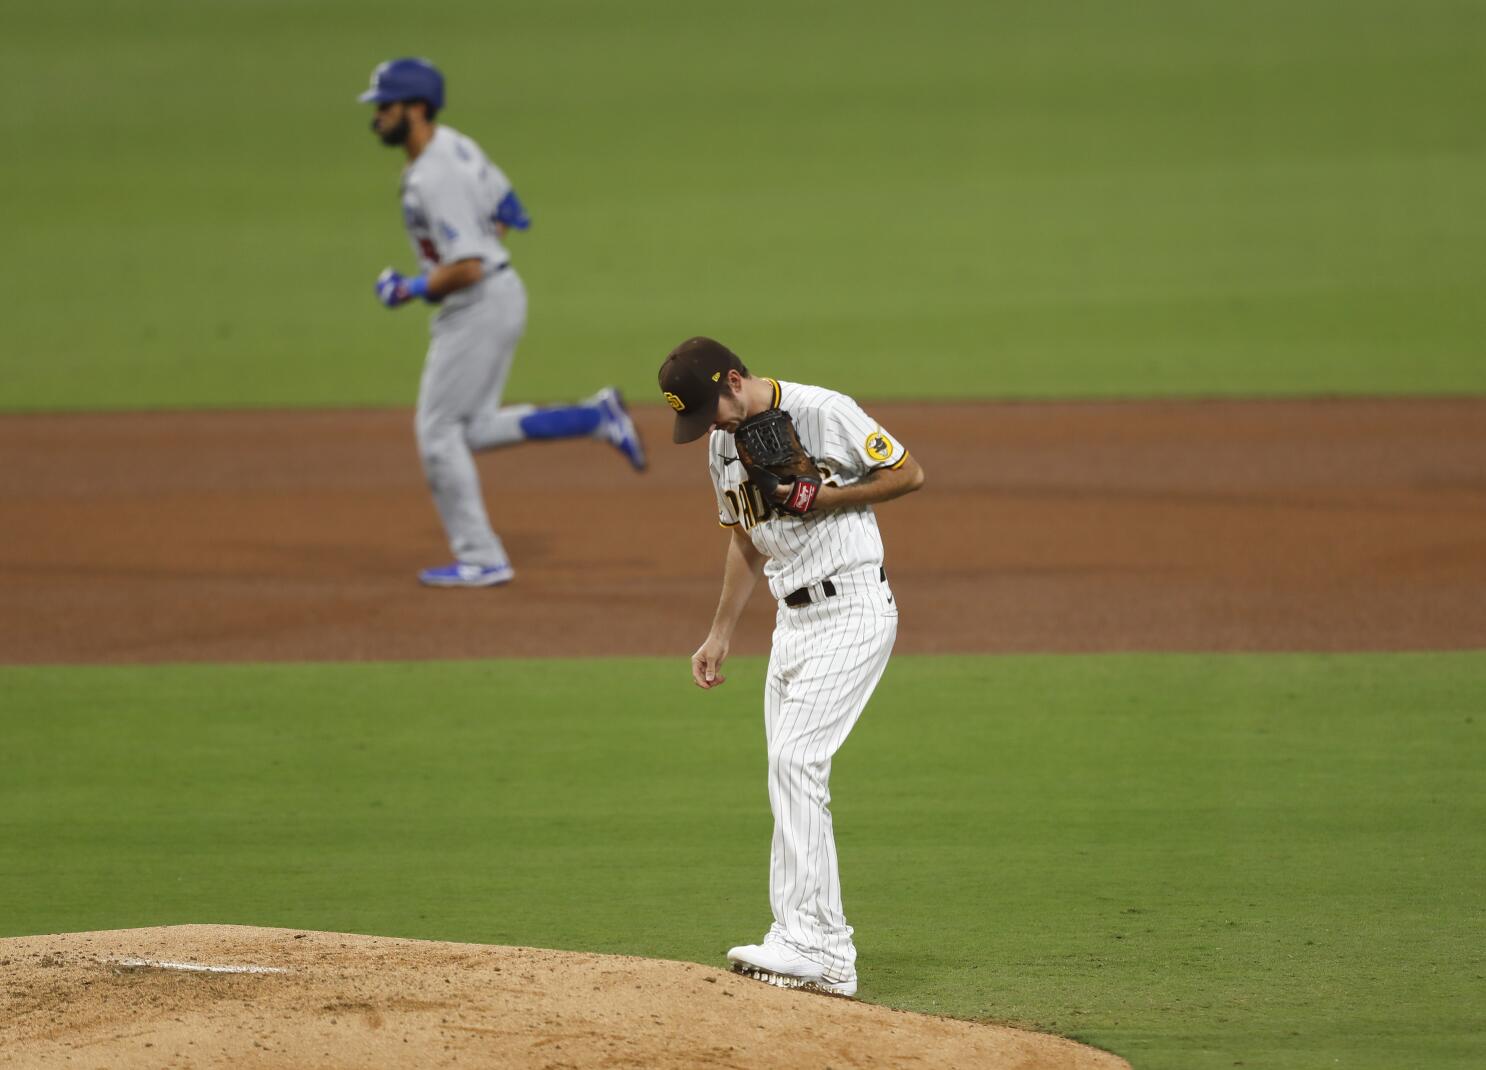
point(194, 967)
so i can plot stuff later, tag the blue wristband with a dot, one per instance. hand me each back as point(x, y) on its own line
point(418, 286)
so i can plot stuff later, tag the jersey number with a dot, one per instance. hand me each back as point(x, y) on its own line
point(748, 505)
point(430, 251)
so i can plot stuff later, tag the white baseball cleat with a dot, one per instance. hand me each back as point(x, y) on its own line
point(847, 988)
point(783, 968)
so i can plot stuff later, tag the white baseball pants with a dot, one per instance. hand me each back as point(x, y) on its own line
point(825, 663)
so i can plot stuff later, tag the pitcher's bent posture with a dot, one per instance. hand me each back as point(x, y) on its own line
point(815, 539)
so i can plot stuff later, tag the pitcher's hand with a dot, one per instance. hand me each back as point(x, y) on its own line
point(706, 663)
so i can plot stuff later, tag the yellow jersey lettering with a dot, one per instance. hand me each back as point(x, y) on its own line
point(758, 509)
point(748, 505)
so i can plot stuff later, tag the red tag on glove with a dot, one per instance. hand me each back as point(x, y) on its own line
point(801, 496)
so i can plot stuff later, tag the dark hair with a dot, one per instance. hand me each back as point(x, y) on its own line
point(429, 111)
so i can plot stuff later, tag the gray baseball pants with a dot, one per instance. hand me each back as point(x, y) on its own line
point(473, 341)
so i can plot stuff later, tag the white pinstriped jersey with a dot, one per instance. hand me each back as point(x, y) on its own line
point(847, 445)
point(450, 194)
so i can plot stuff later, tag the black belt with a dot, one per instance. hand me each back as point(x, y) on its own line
point(802, 597)
point(499, 268)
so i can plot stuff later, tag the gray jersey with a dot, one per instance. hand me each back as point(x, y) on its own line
point(847, 444)
point(450, 195)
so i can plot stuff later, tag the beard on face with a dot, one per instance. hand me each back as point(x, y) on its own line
point(397, 135)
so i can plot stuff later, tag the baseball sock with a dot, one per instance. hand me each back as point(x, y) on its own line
point(517, 423)
point(561, 421)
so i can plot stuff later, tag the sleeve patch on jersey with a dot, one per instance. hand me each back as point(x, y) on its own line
point(879, 447)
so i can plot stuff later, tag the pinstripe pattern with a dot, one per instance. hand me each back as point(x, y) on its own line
point(803, 550)
point(825, 663)
point(826, 657)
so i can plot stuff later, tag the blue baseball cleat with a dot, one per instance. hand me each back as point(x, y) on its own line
point(617, 428)
point(465, 575)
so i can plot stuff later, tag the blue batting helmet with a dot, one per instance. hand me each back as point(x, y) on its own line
point(405, 79)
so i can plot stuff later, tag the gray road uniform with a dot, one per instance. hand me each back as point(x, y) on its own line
point(450, 196)
point(833, 634)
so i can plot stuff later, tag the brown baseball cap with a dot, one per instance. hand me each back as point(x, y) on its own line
point(692, 378)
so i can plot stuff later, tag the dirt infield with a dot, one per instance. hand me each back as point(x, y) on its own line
point(133, 999)
point(1278, 525)
point(1306, 525)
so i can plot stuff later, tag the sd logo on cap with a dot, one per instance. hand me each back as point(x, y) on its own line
point(692, 378)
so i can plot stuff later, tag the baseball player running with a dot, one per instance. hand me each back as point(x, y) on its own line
point(458, 208)
point(797, 470)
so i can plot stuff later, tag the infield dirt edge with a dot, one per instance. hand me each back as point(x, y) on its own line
point(347, 1000)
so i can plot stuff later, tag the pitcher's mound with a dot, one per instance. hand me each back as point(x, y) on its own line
point(231, 995)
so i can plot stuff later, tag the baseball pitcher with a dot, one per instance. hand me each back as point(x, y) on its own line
point(797, 470)
point(458, 208)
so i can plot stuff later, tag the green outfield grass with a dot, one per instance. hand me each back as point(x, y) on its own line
point(1196, 861)
point(936, 199)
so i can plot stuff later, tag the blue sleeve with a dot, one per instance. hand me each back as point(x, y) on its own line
point(511, 213)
